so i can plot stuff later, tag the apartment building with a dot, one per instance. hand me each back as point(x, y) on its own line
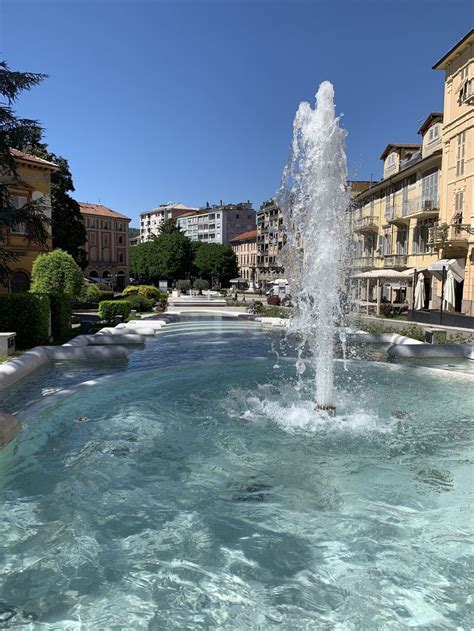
point(270, 240)
point(151, 221)
point(245, 248)
point(218, 223)
point(453, 236)
point(419, 216)
point(33, 182)
point(107, 245)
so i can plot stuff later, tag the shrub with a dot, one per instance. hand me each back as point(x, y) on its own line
point(106, 295)
point(273, 300)
point(139, 302)
point(149, 291)
point(27, 315)
point(61, 312)
point(90, 293)
point(200, 284)
point(56, 272)
point(183, 285)
point(108, 309)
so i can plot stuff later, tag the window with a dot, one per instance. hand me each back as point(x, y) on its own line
point(459, 204)
point(18, 202)
point(391, 160)
point(120, 240)
point(92, 254)
point(460, 152)
point(92, 238)
point(434, 133)
point(20, 283)
point(429, 186)
point(120, 257)
point(466, 92)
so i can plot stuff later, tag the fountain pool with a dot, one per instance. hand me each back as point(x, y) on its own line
point(202, 491)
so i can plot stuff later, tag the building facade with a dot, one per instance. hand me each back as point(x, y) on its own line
point(151, 221)
point(420, 215)
point(270, 240)
point(107, 245)
point(33, 183)
point(218, 223)
point(454, 234)
point(245, 248)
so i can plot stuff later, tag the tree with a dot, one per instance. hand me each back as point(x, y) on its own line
point(56, 272)
point(216, 263)
point(14, 131)
point(201, 285)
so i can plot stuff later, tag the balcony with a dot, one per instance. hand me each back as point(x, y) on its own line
point(395, 261)
point(366, 224)
point(441, 235)
point(364, 263)
point(420, 207)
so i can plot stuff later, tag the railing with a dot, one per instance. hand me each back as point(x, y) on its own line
point(404, 164)
point(395, 260)
point(442, 233)
point(420, 205)
point(364, 262)
point(365, 224)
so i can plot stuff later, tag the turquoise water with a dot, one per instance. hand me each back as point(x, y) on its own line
point(202, 491)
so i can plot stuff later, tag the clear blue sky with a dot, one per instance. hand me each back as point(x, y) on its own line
point(192, 101)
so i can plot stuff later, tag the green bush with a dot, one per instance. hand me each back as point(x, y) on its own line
point(149, 291)
point(61, 311)
point(108, 309)
point(139, 302)
point(106, 295)
point(56, 272)
point(90, 293)
point(28, 316)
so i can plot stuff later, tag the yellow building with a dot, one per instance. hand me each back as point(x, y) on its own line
point(454, 234)
point(393, 217)
point(34, 182)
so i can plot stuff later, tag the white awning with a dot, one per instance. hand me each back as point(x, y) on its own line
point(455, 265)
point(380, 273)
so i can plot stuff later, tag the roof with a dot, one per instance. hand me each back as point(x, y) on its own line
point(245, 236)
point(429, 120)
point(189, 213)
point(102, 211)
point(391, 146)
point(28, 157)
point(467, 40)
point(163, 207)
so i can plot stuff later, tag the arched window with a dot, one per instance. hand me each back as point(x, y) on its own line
point(92, 254)
point(93, 274)
point(20, 282)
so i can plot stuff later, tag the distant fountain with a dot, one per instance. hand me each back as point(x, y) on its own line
point(314, 199)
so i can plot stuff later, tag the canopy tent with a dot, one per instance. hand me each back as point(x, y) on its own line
point(279, 281)
point(455, 265)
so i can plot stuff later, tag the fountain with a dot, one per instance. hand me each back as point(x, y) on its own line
point(313, 197)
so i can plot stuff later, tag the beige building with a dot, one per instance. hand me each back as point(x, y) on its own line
point(107, 245)
point(454, 234)
point(270, 240)
point(419, 217)
point(33, 183)
point(245, 248)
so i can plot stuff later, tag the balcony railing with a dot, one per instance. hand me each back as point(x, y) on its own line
point(362, 263)
point(444, 233)
point(365, 224)
point(404, 164)
point(393, 261)
point(420, 206)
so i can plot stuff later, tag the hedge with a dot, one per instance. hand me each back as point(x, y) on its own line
point(61, 311)
point(149, 291)
point(28, 315)
point(108, 309)
point(139, 302)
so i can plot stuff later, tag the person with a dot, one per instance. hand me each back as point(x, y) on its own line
point(243, 299)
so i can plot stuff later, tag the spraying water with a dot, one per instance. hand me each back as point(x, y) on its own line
point(313, 197)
